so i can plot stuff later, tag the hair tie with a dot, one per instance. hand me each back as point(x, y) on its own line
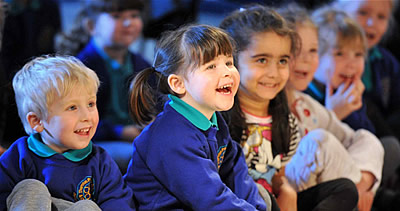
point(158, 74)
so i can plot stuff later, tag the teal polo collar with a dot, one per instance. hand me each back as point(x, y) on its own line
point(192, 114)
point(36, 145)
point(374, 53)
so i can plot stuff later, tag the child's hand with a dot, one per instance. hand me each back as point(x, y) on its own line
point(365, 195)
point(365, 200)
point(286, 195)
point(346, 99)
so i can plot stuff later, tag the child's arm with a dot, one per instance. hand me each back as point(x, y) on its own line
point(13, 169)
point(286, 196)
point(234, 173)
point(365, 194)
point(363, 146)
point(113, 192)
point(183, 166)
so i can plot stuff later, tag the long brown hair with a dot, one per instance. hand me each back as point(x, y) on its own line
point(242, 25)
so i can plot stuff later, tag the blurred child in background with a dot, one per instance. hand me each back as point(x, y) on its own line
point(114, 25)
point(358, 154)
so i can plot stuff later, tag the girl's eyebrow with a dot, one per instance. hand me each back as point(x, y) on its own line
point(261, 55)
point(269, 55)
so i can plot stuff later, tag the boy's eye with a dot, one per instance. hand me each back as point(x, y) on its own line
point(92, 104)
point(71, 108)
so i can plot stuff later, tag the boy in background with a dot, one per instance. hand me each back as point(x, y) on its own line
point(114, 26)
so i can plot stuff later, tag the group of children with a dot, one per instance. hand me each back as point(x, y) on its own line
point(236, 131)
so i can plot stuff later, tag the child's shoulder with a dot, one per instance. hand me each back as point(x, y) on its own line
point(384, 54)
point(167, 126)
point(20, 146)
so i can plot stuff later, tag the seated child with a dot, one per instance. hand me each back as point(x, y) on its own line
point(114, 26)
point(337, 82)
point(357, 155)
point(56, 100)
point(185, 159)
point(262, 122)
point(382, 70)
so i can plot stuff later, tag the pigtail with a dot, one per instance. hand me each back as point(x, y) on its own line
point(142, 97)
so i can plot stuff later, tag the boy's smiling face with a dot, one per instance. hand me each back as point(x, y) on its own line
point(118, 29)
point(72, 121)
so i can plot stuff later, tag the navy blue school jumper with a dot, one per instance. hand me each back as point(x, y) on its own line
point(112, 97)
point(382, 91)
point(183, 161)
point(89, 173)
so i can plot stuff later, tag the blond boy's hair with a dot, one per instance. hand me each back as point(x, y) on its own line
point(44, 78)
point(336, 29)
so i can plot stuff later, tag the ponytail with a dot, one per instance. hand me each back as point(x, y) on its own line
point(142, 97)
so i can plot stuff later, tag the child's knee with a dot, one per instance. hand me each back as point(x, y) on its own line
point(84, 205)
point(31, 186)
point(29, 194)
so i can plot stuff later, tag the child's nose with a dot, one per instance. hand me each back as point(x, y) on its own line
point(227, 71)
point(126, 22)
point(84, 114)
point(370, 21)
point(272, 71)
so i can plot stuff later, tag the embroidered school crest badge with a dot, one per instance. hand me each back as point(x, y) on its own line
point(85, 189)
point(221, 154)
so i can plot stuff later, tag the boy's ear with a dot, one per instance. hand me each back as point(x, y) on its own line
point(176, 83)
point(35, 122)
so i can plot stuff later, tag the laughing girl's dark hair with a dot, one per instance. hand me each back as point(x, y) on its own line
point(177, 52)
point(241, 25)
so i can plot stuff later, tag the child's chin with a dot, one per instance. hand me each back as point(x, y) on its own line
point(225, 107)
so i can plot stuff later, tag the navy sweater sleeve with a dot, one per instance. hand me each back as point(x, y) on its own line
point(113, 192)
point(234, 173)
point(13, 168)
